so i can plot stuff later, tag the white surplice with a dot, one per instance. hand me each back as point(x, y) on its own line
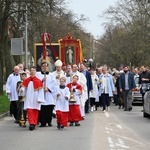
point(50, 83)
point(33, 98)
point(82, 81)
point(62, 104)
point(94, 93)
point(11, 86)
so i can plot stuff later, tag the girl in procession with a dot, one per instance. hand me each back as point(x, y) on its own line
point(62, 105)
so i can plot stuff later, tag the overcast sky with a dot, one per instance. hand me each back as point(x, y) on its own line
point(91, 9)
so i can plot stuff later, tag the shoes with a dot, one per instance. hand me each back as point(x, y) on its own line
point(31, 127)
point(119, 107)
point(125, 109)
point(130, 108)
point(104, 111)
point(77, 124)
point(58, 126)
point(71, 124)
point(142, 110)
point(82, 118)
point(61, 127)
point(16, 121)
point(92, 109)
point(42, 125)
point(86, 112)
point(50, 125)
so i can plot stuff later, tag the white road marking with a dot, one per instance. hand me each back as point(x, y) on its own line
point(119, 126)
point(119, 144)
point(108, 128)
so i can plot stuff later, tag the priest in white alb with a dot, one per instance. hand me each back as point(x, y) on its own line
point(48, 79)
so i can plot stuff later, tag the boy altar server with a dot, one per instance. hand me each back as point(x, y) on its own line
point(74, 107)
point(62, 105)
point(34, 96)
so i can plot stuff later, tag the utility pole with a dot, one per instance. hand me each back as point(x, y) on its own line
point(26, 37)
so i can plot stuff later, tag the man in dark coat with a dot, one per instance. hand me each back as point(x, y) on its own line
point(126, 85)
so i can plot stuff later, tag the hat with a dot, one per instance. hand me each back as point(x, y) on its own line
point(58, 63)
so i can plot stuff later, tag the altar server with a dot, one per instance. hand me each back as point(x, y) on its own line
point(34, 96)
point(62, 104)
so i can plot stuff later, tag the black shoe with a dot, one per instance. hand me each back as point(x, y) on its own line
point(86, 112)
point(16, 121)
point(50, 125)
point(142, 110)
point(71, 124)
point(61, 127)
point(58, 126)
point(119, 107)
point(125, 109)
point(77, 124)
point(130, 108)
point(31, 127)
point(42, 125)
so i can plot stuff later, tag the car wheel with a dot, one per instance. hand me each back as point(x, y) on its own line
point(145, 115)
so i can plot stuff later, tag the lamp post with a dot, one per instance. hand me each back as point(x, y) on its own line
point(26, 37)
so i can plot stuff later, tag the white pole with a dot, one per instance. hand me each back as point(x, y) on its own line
point(26, 38)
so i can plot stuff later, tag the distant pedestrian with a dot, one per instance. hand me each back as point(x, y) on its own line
point(106, 88)
point(144, 81)
point(126, 85)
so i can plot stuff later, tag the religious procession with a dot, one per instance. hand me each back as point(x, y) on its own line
point(67, 89)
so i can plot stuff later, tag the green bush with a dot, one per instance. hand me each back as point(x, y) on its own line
point(4, 104)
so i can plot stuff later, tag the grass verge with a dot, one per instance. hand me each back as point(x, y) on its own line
point(4, 104)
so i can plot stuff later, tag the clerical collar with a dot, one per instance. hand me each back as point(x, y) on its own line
point(15, 74)
point(67, 75)
point(62, 86)
point(44, 72)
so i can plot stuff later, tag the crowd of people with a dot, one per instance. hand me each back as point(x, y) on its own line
point(69, 93)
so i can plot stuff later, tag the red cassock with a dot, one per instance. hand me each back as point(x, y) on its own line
point(74, 109)
point(62, 118)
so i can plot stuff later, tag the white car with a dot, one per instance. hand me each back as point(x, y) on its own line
point(136, 97)
point(146, 110)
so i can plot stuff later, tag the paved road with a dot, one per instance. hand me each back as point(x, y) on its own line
point(113, 130)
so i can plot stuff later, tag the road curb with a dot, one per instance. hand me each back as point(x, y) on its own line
point(4, 115)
